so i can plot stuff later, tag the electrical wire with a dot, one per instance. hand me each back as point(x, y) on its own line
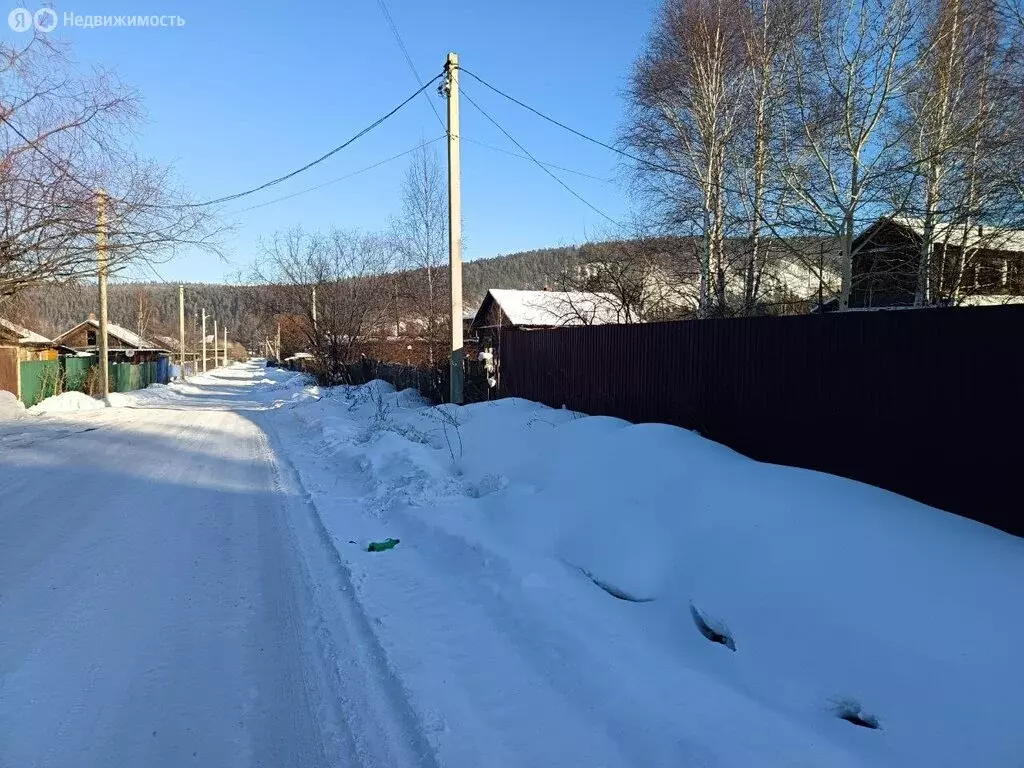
point(570, 129)
point(524, 157)
point(325, 156)
point(340, 178)
point(408, 59)
point(539, 164)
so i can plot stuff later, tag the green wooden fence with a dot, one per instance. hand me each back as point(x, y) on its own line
point(44, 378)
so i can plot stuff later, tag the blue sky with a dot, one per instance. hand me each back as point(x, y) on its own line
point(244, 92)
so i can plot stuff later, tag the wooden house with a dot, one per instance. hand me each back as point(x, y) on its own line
point(533, 310)
point(123, 346)
point(972, 266)
point(20, 345)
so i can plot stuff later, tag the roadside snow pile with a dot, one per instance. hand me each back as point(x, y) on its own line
point(11, 408)
point(700, 606)
point(66, 403)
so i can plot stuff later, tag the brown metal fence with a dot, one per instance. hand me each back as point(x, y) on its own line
point(927, 403)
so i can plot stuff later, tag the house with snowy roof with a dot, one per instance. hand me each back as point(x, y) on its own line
point(123, 346)
point(533, 310)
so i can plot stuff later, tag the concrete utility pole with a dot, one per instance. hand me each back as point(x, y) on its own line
point(101, 258)
point(451, 69)
point(204, 341)
point(181, 327)
point(314, 311)
point(214, 343)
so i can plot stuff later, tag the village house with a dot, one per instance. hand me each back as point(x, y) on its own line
point(123, 346)
point(533, 310)
point(969, 266)
point(20, 345)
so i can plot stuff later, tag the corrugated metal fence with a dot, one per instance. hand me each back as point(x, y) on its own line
point(927, 403)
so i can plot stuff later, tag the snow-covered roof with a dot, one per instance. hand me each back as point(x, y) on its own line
point(122, 334)
point(25, 336)
point(300, 356)
point(547, 308)
point(978, 236)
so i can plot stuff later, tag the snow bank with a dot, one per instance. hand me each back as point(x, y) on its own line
point(67, 403)
point(707, 607)
point(11, 407)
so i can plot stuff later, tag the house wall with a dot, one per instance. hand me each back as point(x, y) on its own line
point(885, 271)
point(35, 353)
point(78, 339)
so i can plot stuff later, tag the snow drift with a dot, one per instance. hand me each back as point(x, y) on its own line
point(11, 408)
point(67, 402)
point(700, 605)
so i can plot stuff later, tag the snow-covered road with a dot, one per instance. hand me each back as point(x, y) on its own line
point(184, 580)
point(155, 602)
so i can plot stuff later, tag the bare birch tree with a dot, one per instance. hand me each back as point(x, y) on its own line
point(841, 146)
point(420, 233)
point(685, 95)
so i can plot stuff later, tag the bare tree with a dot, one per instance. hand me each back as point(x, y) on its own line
point(420, 234)
point(685, 95)
point(962, 107)
point(637, 278)
point(771, 30)
point(346, 271)
point(840, 151)
point(62, 137)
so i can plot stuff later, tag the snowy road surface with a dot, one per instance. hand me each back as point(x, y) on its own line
point(184, 581)
point(154, 608)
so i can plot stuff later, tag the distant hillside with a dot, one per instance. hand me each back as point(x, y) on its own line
point(152, 308)
point(52, 309)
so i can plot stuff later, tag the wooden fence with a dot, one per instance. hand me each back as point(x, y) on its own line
point(928, 403)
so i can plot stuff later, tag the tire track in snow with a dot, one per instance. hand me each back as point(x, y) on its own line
point(371, 707)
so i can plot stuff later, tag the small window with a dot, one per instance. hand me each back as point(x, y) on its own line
point(90, 339)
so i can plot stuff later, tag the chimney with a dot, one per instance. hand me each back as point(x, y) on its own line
point(92, 317)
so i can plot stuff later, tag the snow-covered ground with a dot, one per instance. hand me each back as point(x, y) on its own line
point(185, 576)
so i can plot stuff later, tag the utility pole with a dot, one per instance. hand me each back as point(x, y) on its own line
point(451, 69)
point(214, 343)
point(101, 258)
point(181, 327)
point(314, 311)
point(277, 354)
point(204, 340)
point(224, 349)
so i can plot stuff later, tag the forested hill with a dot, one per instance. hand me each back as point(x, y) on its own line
point(153, 307)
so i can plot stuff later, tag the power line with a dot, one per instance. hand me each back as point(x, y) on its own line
point(408, 58)
point(307, 166)
point(524, 157)
point(340, 178)
point(571, 130)
point(539, 164)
